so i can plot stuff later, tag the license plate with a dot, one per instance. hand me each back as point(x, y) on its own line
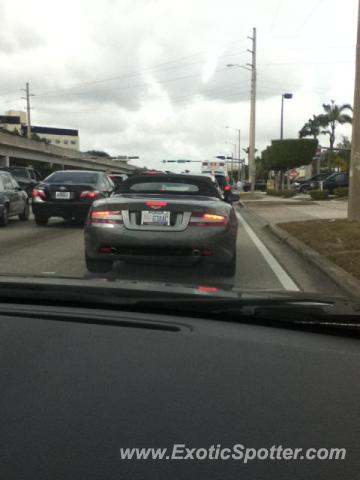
point(62, 195)
point(155, 218)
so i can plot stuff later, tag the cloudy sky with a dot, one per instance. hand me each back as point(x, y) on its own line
point(149, 77)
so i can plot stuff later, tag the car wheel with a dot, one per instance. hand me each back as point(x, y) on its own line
point(304, 189)
point(26, 213)
point(98, 266)
point(41, 220)
point(227, 269)
point(4, 219)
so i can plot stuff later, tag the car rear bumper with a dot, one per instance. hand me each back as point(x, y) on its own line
point(61, 209)
point(212, 244)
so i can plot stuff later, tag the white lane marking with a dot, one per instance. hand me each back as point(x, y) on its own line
point(275, 266)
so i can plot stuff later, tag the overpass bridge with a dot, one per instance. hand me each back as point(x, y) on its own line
point(16, 150)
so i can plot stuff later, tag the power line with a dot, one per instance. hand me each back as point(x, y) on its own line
point(310, 14)
point(156, 67)
point(275, 16)
point(124, 87)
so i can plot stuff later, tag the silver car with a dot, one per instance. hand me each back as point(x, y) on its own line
point(165, 218)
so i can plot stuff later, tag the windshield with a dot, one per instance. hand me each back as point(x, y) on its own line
point(192, 144)
point(72, 177)
point(174, 184)
point(17, 172)
point(164, 187)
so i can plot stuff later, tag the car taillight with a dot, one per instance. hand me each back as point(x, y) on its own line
point(156, 204)
point(227, 188)
point(109, 217)
point(38, 194)
point(208, 289)
point(89, 194)
point(208, 220)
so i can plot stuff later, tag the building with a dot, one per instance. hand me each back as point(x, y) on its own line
point(60, 137)
point(12, 121)
point(16, 121)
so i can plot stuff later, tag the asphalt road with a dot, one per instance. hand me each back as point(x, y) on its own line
point(262, 262)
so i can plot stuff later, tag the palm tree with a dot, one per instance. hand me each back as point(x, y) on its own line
point(334, 115)
point(311, 128)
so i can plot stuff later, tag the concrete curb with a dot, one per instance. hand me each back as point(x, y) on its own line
point(337, 274)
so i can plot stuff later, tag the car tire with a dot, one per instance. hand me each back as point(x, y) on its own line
point(41, 220)
point(227, 269)
point(304, 190)
point(95, 265)
point(4, 219)
point(26, 213)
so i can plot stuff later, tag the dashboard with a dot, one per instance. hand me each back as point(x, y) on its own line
point(77, 385)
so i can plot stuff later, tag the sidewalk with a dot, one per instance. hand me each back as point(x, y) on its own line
point(279, 210)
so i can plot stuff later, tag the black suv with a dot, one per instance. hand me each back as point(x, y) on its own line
point(336, 180)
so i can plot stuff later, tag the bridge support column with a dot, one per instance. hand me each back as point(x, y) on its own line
point(4, 161)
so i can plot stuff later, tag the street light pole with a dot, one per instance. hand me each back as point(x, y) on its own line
point(282, 118)
point(252, 171)
point(239, 149)
point(252, 68)
point(284, 96)
point(233, 155)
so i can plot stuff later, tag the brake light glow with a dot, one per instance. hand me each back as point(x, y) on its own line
point(208, 289)
point(156, 204)
point(38, 194)
point(227, 188)
point(213, 218)
point(89, 194)
point(208, 220)
point(106, 217)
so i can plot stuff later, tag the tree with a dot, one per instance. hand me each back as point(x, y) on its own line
point(98, 153)
point(284, 155)
point(262, 168)
point(334, 115)
point(311, 128)
point(342, 156)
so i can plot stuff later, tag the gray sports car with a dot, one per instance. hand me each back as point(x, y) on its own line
point(169, 218)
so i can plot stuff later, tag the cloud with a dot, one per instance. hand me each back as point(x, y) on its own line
point(149, 77)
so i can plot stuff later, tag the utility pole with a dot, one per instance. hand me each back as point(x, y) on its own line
point(28, 108)
point(252, 68)
point(354, 190)
point(252, 65)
